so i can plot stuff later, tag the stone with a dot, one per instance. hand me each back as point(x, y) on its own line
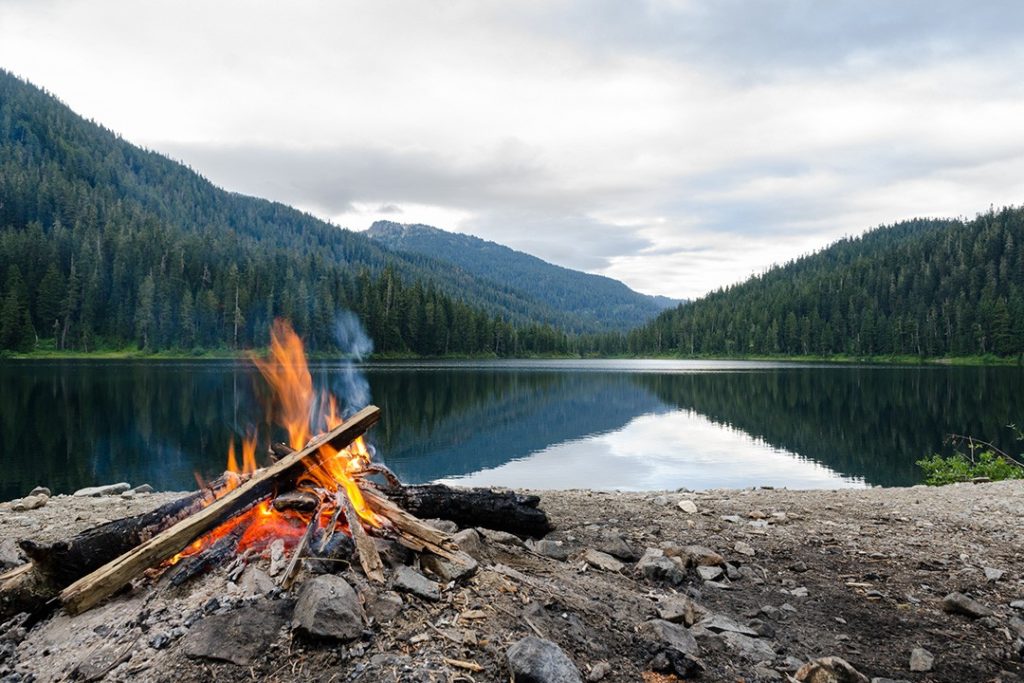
point(660, 501)
point(278, 561)
point(921, 660)
point(29, 503)
point(749, 648)
point(993, 574)
point(757, 514)
point(615, 545)
point(598, 672)
point(1017, 604)
point(654, 565)
point(744, 548)
point(328, 608)
point(732, 519)
point(688, 506)
point(719, 623)
point(469, 542)
point(799, 592)
point(799, 567)
point(445, 525)
point(239, 636)
point(143, 488)
point(408, 580)
point(829, 670)
point(680, 608)
point(384, 606)
point(604, 561)
point(255, 581)
point(41, 491)
point(446, 570)
point(709, 573)
point(105, 490)
point(535, 660)
point(10, 554)
point(733, 572)
point(699, 556)
point(502, 537)
point(392, 552)
point(665, 634)
point(556, 550)
point(958, 603)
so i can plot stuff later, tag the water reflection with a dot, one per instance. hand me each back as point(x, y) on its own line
point(635, 424)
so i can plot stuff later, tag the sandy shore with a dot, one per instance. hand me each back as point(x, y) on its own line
point(859, 574)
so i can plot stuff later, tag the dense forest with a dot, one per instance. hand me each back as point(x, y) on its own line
point(591, 302)
point(922, 287)
point(106, 245)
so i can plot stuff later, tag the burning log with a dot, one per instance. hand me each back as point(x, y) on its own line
point(110, 578)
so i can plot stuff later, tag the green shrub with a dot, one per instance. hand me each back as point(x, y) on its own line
point(939, 470)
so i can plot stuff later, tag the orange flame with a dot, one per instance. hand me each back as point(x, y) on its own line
point(288, 375)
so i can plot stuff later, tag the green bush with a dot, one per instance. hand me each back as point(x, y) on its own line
point(939, 470)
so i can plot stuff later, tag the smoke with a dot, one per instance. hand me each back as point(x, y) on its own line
point(350, 384)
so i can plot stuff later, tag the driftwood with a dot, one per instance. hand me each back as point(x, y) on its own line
point(113, 576)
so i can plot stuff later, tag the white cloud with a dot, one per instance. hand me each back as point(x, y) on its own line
point(678, 146)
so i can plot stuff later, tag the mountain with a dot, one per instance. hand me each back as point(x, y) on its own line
point(105, 244)
point(593, 302)
point(922, 287)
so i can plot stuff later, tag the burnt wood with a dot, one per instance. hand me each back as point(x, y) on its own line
point(500, 510)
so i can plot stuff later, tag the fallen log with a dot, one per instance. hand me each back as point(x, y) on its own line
point(108, 579)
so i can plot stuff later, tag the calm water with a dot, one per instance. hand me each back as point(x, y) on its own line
point(599, 424)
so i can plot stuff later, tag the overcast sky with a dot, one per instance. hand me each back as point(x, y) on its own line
point(678, 146)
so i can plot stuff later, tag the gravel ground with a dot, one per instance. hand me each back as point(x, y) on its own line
point(799, 575)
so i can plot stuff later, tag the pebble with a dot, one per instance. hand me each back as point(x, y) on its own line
point(599, 560)
point(656, 566)
point(709, 573)
point(1017, 604)
point(31, 502)
point(598, 672)
point(469, 542)
point(993, 574)
point(744, 549)
point(409, 580)
point(680, 608)
point(143, 488)
point(556, 550)
point(40, 490)
point(958, 603)
point(328, 608)
point(669, 635)
point(502, 537)
point(921, 660)
point(829, 670)
point(614, 544)
point(660, 501)
point(535, 660)
point(688, 506)
point(277, 557)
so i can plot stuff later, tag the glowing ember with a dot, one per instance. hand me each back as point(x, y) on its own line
point(328, 471)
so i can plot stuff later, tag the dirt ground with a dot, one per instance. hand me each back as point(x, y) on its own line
point(859, 574)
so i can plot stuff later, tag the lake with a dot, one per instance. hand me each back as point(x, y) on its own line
point(538, 424)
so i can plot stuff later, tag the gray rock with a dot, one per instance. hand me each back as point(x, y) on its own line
point(599, 560)
point(143, 488)
point(744, 548)
point(502, 537)
point(445, 525)
point(598, 672)
point(688, 506)
point(656, 566)
point(709, 573)
point(408, 580)
point(10, 554)
point(615, 545)
point(660, 501)
point(384, 606)
point(745, 647)
point(255, 581)
point(921, 660)
point(105, 490)
point(829, 670)
point(40, 491)
point(556, 550)
point(993, 574)
point(1017, 604)
point(719, 623)
point(958, 603)
point(328, 608)
point(393, 553)
point(447, 570)
point(278, 561)
point(239, 636)
point(699, 556)
point(680, 608)
point(733, 572)
point(732, 519)
point(534, 660)
point(469, 542)
point(665, 634)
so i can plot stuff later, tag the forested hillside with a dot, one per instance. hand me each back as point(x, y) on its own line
point(922, 287)
point(585, 302)
point(103, 244)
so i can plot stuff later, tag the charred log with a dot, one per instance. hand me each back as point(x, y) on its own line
point(500, 510)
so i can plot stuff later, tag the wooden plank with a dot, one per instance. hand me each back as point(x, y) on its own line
point(108, 579)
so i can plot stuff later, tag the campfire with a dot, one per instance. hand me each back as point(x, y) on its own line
point(320, 499)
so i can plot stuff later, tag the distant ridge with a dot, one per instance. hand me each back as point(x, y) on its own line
point(589, 303)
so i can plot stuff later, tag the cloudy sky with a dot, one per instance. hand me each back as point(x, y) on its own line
point(678, 146)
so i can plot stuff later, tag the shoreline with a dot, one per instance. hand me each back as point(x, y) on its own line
point(857, 573)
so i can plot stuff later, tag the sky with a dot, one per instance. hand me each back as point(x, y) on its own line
point(678, 146)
